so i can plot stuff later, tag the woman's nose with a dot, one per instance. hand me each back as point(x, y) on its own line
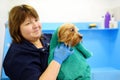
point(35, 24)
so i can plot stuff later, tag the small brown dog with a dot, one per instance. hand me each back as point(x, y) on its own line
point(68, 33)
point(75, 67)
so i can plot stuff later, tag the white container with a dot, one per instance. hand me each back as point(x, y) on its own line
point(113, 23)
point(102, 23)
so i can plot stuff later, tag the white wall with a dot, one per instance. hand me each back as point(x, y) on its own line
point(58, 11)
point(66, 10)
point(3, 18)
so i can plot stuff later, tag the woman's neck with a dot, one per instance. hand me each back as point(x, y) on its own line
point(38, 44)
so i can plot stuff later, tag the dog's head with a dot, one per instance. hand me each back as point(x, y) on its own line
point(68, 33)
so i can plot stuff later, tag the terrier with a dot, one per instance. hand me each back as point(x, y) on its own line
point(75, 66)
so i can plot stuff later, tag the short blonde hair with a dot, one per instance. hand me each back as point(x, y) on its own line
point(17, 16)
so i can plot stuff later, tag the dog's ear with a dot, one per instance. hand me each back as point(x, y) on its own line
point(59, 35)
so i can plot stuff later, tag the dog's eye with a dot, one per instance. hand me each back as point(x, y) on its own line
point(72, 30)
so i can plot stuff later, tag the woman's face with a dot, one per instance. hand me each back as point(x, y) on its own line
point(31, 29)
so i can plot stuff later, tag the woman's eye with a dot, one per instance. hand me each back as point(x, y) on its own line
point(28, 23)
point(36, 19)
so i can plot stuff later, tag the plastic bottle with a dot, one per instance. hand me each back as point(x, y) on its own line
point(102, 22)
point(107, 20)
point(113, 23)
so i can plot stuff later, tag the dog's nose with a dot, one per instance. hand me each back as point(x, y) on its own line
point(81, 36)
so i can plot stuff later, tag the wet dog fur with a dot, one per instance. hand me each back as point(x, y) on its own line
point(68, 33)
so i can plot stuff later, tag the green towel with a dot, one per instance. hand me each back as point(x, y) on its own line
point(75, 66)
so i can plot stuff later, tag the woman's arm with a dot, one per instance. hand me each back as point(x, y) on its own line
point(60, 54)
point(51, 72)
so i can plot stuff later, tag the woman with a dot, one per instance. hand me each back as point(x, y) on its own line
point(27, 57)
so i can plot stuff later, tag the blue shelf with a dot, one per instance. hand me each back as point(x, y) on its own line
point(101, 29)
point(95, 29)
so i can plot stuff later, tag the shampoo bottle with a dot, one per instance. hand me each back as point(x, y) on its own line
point(107, 20)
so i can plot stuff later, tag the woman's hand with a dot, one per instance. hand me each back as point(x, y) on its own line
point(61, 53)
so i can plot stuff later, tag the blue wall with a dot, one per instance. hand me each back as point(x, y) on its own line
point(100, 42)
point(115, 53)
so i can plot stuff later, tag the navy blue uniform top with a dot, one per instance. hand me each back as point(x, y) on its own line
point(26, 62)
